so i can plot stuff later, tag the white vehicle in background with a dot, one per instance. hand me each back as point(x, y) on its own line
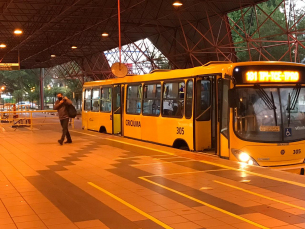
point(27, 103)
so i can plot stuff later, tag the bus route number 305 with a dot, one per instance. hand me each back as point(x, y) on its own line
point(296, 151)
point(180, 130)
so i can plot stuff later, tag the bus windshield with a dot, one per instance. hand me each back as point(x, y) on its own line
point(270, 114)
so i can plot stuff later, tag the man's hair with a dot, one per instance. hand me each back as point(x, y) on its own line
point(59, 93)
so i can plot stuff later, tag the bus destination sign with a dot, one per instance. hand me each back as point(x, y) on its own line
point(272, 76)
point(255, 74)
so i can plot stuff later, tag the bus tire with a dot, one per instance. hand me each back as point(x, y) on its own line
point(181, 144)
point(102, 130)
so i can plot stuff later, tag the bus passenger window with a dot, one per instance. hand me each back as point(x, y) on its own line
point(152, 97)
point(134, 99)
point(189, 99)
point(87, 101)
point(203, 100)
point(106, 99)
point(95, 102)
point(173, 99)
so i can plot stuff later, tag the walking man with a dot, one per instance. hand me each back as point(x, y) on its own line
point(61, 106)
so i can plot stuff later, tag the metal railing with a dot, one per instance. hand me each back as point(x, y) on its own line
point(26, 118)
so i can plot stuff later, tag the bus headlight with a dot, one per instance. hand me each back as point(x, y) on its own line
point(243, 157)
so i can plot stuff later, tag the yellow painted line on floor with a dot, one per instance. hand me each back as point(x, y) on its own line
point(256, 174)
point(170, 174)
point(152, 156)
point(82, 133)
point(206, 204)
point(144, 147)
point(158, 163)
point(260, 195)
point(131, 206)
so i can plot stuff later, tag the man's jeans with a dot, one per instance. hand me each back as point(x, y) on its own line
point(65, 132)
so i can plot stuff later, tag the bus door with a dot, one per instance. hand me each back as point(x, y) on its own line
point(223, 118)
point(117, 109)
point(203, 111)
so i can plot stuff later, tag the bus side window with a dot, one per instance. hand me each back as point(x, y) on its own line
point(151, 101)
point(189, 99)
point(106, 99)
point(87, 100)
point(173, 99)
point(134, 99)
point(203, 100)
point(95, 102)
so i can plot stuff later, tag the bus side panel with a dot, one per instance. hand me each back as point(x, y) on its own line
point(132, 126)
point(85, 120)
point(203, 135)
point(93, 121)
point(170, 129)
point(104, 119)
point(150, 128)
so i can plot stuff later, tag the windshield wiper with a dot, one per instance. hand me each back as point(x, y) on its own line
point(269, 102)
point(292, 102)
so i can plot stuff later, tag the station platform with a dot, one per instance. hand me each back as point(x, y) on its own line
point(103, 181)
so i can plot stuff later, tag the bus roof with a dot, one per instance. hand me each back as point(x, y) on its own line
point(214, 67)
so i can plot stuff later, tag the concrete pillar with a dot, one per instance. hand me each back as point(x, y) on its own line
point(42, 89)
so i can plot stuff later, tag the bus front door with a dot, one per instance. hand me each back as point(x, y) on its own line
point(203, 111)
point(117, 109)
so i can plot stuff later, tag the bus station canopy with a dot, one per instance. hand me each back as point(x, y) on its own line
point(52, 27)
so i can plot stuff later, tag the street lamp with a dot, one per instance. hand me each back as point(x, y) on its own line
point(2, 45)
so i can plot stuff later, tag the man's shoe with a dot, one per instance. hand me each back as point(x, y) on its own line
point(68, 142)
point(60, 142)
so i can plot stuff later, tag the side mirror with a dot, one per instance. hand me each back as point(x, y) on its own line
point(232, 98)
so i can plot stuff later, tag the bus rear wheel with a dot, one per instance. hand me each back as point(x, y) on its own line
point(102, 129)
point(181, 144)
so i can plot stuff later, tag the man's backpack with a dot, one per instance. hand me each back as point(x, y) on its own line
point(71, 111)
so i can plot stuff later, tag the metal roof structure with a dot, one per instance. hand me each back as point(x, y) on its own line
point(51, 27)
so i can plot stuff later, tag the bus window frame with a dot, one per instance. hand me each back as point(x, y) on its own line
point(172, 81)
point(102, 87)
point(151, 83)
point(140, 83)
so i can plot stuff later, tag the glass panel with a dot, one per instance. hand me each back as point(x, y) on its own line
point(151, 103)
point(293, 108)
point(87, 104)
point(95, 105)
point(203, 100)
point(106, 99)
point(134, 99)
point(257, 116)
point(96, 93)
point(88, 94)
point(173, 99)
point(117, 100)
point(189, 99)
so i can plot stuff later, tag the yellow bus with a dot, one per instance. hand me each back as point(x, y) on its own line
point(253, 112)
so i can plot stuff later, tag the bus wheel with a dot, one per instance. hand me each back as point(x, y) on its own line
point(102, 129)
point(181, 144)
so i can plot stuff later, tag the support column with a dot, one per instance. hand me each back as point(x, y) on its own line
point(42, 89)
